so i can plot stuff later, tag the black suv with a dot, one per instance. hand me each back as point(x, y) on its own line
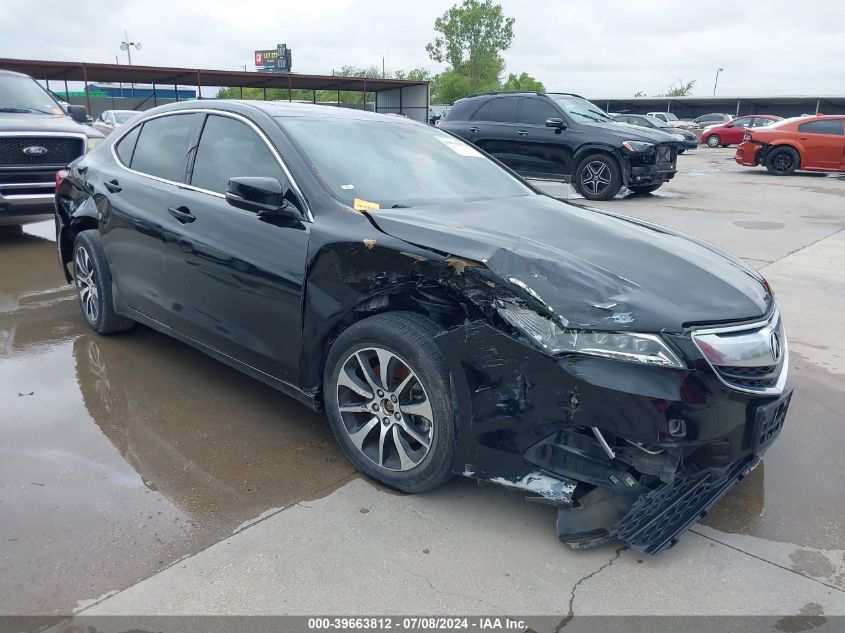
point(563, 136)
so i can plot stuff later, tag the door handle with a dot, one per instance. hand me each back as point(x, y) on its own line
point(183, 214)
point(113, 185)
point(475, 129)
point(522, 132)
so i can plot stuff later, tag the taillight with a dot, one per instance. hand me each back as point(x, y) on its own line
point(747, 136)
point(60, 177)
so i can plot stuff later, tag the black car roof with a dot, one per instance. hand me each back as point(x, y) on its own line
point(508, 93)
point(286, 109)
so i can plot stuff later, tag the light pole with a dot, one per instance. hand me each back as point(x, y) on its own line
point(716, 83)
point(126, 45)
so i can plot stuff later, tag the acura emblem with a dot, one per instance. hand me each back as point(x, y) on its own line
point(34, 150)
point(774, 343)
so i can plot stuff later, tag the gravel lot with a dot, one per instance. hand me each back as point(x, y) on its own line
point(140, 477)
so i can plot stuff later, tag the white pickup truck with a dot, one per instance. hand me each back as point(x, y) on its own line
point(674, 121)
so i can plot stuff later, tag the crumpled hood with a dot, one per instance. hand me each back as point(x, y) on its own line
point(591, 268)
point(33, 122)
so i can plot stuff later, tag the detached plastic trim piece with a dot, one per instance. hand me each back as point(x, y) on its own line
point(657, 519)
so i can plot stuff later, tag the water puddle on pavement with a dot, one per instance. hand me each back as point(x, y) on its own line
point(121, 454)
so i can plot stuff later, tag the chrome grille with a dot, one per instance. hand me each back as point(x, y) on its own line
point(752, 357)
point(51, 150)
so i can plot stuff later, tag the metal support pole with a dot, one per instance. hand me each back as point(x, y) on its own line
point(242, 91)
point(338, 98)
point(314, 96)
point(365, 93)
point(264, 89)
point(290, 92)
point(817, 105)
point(176, 90)
point(47, 81)
point(155, 96)
point(737, 107)
point(67, 92)
point(87, 94)
point(199, 86)
point(401, 111)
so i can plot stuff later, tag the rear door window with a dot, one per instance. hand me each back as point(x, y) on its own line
point(822, 126)
point(163, 146)
point(503, 110)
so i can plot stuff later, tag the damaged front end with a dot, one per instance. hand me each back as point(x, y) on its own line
point(626, 373)
point(637, 453)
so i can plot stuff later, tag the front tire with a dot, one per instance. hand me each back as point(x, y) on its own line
point(387, 397)
point(713, 140)
point(598, 177)
point(782, 161)
point(93, 282)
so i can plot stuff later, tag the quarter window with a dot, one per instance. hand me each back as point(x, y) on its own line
point(822, 126)
point(162, 147)
point(126, 145)
point(536, 111)
point(228, 149)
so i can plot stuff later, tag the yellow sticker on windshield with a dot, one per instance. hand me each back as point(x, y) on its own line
point(363, 205)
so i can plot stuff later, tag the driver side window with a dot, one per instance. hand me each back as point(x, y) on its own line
point(228, 149)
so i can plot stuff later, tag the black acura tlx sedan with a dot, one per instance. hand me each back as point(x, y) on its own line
point(448, 317)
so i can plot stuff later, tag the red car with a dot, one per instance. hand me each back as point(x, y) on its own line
point(815, 143)
point(731, 133)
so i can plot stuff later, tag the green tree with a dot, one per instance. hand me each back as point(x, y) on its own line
point(472, 36)
point(639, 93)
point(679, 88)
point(523, 83)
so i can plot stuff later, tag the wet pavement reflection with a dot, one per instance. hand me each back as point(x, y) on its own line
point(121, 454)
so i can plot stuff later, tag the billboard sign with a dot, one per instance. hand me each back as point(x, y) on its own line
point(273, 60)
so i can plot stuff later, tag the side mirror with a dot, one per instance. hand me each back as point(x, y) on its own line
point(258, 194)
point(555, 123)
point(78, 113)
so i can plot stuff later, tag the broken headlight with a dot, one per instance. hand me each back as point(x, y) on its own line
point(648, 349)
point(637, 147)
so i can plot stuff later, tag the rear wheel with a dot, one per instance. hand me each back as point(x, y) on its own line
point(713, 140)
point(386, 392)
point(782, 161)
point(92, 278)
point(598, 177)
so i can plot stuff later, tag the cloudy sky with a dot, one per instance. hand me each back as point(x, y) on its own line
point(599, 49)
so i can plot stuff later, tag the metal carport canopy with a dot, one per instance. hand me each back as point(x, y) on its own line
point(95, 72)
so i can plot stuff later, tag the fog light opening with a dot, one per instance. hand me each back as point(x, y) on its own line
point(677, 427)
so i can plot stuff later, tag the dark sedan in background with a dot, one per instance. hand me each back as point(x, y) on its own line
point(447, 316)
point(687, 139)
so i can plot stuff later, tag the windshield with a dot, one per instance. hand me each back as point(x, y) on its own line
point(670, 117)
point(23, 94)
point(658, 122)
point(581, 110)
point(123, 117)
point(367, 162)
